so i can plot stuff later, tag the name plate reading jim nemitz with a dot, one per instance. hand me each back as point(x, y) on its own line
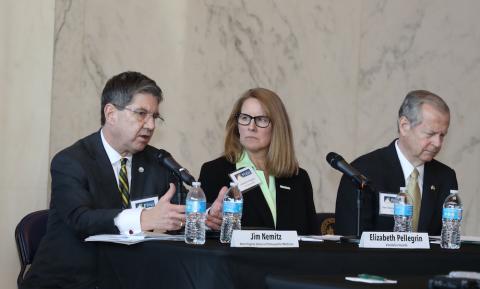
point(264, 239)
point(394, 240)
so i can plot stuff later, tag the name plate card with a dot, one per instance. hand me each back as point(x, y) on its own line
point(264, 239)
point(245, 178)
point(394, 240)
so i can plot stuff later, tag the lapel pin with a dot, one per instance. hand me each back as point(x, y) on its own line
point(141, 169)
point(432, 188)
point(284, 187)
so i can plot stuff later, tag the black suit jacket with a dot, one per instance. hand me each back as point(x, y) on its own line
point(295, 207)
point(85, 200)
point(382, 167)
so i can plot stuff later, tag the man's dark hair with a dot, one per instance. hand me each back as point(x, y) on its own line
point(120, 89)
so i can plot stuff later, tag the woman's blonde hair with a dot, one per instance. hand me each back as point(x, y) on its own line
point(281, 160)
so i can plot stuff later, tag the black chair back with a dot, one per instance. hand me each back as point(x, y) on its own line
point(28, 234)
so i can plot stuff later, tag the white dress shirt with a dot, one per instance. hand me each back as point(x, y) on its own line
point(128, 221)
point(407, 168)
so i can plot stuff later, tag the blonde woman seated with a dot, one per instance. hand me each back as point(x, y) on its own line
point(259, 135)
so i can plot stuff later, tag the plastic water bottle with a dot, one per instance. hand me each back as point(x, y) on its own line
point(403, 212)
point(232, 213)
point(195, 215)
point(451, 218)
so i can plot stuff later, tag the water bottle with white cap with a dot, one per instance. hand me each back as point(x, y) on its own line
point(232, 213)
point(451, 218)
point(403, 212)
point(195, 214)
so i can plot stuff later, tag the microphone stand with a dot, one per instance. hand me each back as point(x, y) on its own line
point(359, 206)
point(356, 238)
point(179, 192)
point(180, 199)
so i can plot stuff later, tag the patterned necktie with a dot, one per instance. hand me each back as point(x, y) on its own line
point(123, 184)
point(414, 191)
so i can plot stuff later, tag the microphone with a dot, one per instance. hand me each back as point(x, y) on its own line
point(338, 162)
point(166, 159)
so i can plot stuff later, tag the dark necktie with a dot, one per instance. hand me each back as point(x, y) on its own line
point(123, 184)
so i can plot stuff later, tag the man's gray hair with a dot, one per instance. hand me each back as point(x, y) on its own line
point(411, 107)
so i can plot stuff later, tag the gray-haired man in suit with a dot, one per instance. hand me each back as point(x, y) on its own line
point(408, 161)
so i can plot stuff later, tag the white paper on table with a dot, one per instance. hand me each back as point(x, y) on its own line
point(470, 239)
point(311, 238)
point(464, 274)
point(319, 238)
point(134, 239)
point(465, 239)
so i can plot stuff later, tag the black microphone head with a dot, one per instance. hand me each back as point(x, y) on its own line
point(166, 160)
point(333, 158)
point(187, 177)
point(163, 154)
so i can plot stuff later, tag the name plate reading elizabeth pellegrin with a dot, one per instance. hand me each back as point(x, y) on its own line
point(264, 239)
point(394, 240)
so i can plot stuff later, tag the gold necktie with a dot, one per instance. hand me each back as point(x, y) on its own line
point(123, 184)
point(414, 191)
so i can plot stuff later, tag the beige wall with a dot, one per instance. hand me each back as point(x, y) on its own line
point(341, 67)
point(26, 58)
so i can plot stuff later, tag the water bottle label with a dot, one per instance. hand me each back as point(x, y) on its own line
point(452, 213)
point(403, 210)
point(232, 207)
point(196, 206)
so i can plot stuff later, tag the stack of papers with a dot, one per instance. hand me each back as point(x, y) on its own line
point(134, 239)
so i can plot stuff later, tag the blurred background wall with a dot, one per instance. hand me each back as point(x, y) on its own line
point(342, 69)
point(26, 69)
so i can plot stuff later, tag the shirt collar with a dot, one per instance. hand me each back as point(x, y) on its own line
point(407, 167)
point(112, 154)
point(245, 162)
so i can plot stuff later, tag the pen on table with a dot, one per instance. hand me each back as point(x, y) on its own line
point(372, 277)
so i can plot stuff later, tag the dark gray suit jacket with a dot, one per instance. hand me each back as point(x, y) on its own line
point(295, 207)
point(85, 200)
point(382, 167)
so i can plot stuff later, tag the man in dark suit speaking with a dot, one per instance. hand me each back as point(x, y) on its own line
point(423, 122)
point(98, 182)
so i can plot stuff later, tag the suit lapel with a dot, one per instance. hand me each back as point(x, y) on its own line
point(395, 169)
point(284, 188)
point(138, 176)
point(389, 180)
point(260, 205)
point(106, 176)
point(429, 197)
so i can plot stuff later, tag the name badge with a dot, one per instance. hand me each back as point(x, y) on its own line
point(386, 202)
point(394, 240)
point(144, 203)
point(245, 178)
point(264, 239)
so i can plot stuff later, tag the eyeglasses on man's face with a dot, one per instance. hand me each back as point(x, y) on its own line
point(142, 115)
point(262, 121)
